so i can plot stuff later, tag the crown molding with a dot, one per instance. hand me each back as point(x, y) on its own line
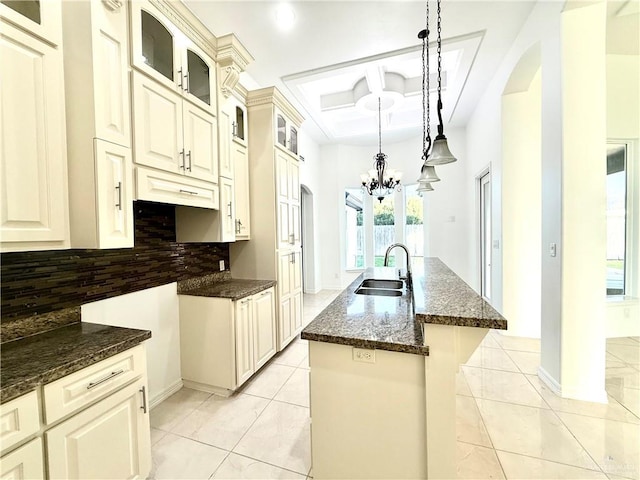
point(232, 59)
point(271, 95)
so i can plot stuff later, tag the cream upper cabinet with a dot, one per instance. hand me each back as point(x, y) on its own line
point(172, 135)
point(288, 194)
point(227, 211)
point(286, 134)
point(33, 157)
point(41, 18)
point(225, 133)
point(162, 51)
point(98, 109)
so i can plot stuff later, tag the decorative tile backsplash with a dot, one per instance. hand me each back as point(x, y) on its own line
point(39, 282)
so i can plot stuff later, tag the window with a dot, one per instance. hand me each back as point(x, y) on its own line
point(617, 227)
point(414, 227)
point(384, 230)
point(353, 198)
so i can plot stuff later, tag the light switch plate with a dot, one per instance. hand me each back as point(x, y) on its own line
point(222, 265)
point(552, 249)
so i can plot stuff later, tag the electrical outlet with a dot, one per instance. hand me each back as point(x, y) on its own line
point(552, 249)
point(364, 355)
point(222, 265)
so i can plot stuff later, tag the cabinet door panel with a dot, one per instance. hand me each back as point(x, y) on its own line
point(110, 64)
point(199, 84)
point(25, 463)
point(200, 144)
point(294, 224)
point(296, 313)
point(107, 440)
point(175, 189)
point(282, 172)
point(226, 162)
point(284, 281)
point(294, 181)
point(244, 344)
point(241, 184)
point(43, 18)
point(284, 227)
point(33, 154)
point(295, 271)
point(284, 323)
point(158, 126)
point(153, 45)
point(264, 328)
point(227, 211)
point(115, 195)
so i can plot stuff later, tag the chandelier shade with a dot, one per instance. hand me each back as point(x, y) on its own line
point(428, 174)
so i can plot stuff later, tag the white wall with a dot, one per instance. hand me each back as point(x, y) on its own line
point(310, 177)
point(445, 212)
point(521, 217)
point(154, 309)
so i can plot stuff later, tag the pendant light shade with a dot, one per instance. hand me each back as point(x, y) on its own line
point(440, 153)
point(424, 187)
point(428, 174)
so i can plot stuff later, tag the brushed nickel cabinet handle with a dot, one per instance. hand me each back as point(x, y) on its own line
point(143, 390)
point(188, 191)
point(105, 379)
point(229, 207)
point(182, 157)
point(180, 79)
point(189, 157)
point(119, 189)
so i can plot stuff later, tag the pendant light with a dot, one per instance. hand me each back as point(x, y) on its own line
point(380, 181)
point(440, 153)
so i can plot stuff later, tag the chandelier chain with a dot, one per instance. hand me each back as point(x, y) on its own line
point(379, 127)
point(426, 92)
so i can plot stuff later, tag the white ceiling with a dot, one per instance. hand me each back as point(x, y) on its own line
point(332, 46)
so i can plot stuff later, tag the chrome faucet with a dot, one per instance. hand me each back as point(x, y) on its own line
point(408, 278)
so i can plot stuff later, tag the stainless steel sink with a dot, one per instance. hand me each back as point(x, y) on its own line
point(381, 286)
point(384, 292)
point(376, 283)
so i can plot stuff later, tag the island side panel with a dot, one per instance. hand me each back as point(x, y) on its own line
point(367, 419)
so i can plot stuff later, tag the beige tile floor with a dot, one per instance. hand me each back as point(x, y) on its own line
point(509, 424)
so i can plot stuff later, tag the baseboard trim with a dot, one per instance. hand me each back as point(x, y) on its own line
point(166, 393)
point(572, 393)
point(549, 381)
point(203, 387)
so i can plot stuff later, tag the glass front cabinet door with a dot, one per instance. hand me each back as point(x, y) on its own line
point(42, 18)
point(166, 54)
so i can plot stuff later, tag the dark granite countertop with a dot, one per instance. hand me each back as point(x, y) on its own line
point(232, 288)
point(46, 357)
point(396, 323)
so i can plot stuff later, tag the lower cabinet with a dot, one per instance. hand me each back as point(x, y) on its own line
point(93, 423)
point(290, 294)
point(108, 440)
point(224, 342)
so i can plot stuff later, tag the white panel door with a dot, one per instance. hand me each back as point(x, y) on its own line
point(25, 463)
point(114, 185)
point(200, 143)
point(264, 327)
point(158, 139)
point(110, 66)
point(108, 440)
point(244, 340)
point(33, 154)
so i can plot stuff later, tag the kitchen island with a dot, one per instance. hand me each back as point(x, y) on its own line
point(383, 369)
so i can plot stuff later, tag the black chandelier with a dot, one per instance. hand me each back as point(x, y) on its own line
point(380, 181)
point(438, 153)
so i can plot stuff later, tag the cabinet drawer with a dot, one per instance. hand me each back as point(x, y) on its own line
point(79, 389)
point(25, 463)
point(175, 189)
point(19, 418)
